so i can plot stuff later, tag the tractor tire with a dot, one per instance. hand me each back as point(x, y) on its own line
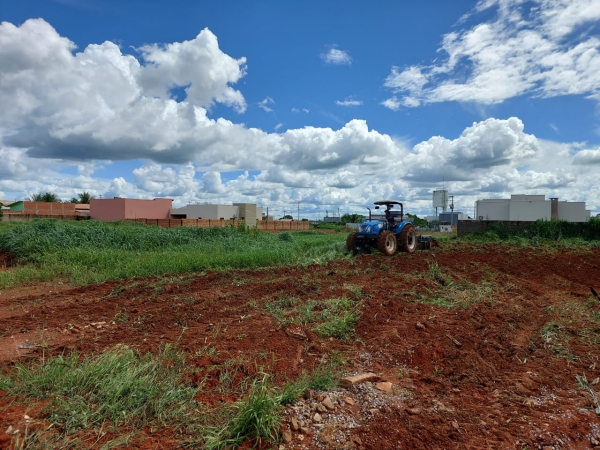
point(387, 243)
point(351, 242)
point(408, 239)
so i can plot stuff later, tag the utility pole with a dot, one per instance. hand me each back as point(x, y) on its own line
point(298, 216)
point(451, 210)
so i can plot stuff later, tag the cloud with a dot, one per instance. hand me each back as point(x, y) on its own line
point(265, 104)
point(392, 103)
point(278, 126)
point(545, 50)
point(166, 181)
point(103, 104)
point(212, 184)
point(585, 157)
point(349, 101)
point(481, 147)
point(336, 57)
point(74, 112)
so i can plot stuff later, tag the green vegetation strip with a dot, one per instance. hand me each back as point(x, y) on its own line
point(123, 390)
point(541, 232)
point(92, 252)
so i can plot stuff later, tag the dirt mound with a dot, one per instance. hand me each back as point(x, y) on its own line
point(481, 344)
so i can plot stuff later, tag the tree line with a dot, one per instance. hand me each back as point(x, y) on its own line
point(49, 197)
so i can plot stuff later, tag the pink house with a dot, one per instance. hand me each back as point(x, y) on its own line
point(116, 209)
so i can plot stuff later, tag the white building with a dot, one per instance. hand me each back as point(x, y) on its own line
point(241, 211)
point(530, 208)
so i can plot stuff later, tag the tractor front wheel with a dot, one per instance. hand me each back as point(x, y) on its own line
point(408, 239)
point(387, 243)
point(351, 242)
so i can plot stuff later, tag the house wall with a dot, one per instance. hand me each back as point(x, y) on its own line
point(573, 212)
point(116, 209)
point(45, 208)
point(249, 212)
point(107, 209)
point(530, 210)
point(157, 208)
point(492, 209)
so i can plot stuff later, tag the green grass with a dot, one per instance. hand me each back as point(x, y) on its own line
point(334, 317)
point(448, 293)
point(543, 232)
point(118, 387)
point(92, 252)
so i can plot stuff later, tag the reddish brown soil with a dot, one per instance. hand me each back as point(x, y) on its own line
point(476, 377)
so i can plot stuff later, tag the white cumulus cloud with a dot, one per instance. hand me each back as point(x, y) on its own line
point(337, 57)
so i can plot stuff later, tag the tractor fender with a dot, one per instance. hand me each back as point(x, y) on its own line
point(400, 227)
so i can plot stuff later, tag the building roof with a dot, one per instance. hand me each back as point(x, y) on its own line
point(8, 202)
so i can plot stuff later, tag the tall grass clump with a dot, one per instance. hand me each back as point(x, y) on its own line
point(93, 252)
point(119, 387)
point(257, 417)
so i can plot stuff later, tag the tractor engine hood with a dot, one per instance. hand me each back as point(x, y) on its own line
point(370, 227)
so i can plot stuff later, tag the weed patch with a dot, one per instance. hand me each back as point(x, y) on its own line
point(334, 317)
point(119, 387)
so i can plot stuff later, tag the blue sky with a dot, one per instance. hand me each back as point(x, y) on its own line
point(278, 102)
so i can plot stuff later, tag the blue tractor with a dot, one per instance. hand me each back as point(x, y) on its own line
point(385, 234)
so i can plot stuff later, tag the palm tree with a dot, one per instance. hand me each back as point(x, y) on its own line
point(85, 197)
point(45, 197)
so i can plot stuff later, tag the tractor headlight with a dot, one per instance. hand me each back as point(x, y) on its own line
point(365, 229)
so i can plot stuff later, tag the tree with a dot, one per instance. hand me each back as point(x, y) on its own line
point(45, 197)
point(1, 213)
point(84, 198)
point(351, 218)
point(417, 221)
point(287, 216)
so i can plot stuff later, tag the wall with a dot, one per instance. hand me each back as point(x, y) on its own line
point(573, 212)
point(291, 225)
point(530, 210)
point(107, 209)
point(26, 217)
point(46, 208)
point(116, 209)
point(241, 211)
point(493, 209)
point(447, 217)
point(227, 212)
point(157, 208)
point(205, 211)
point(250, 212)
point(207, 223)
point(528, 198)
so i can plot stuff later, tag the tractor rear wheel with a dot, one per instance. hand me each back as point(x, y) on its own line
point(408, 239)
point(351, 242)
point(387, 243)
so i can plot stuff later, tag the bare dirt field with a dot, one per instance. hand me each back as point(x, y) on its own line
point(474, 346)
